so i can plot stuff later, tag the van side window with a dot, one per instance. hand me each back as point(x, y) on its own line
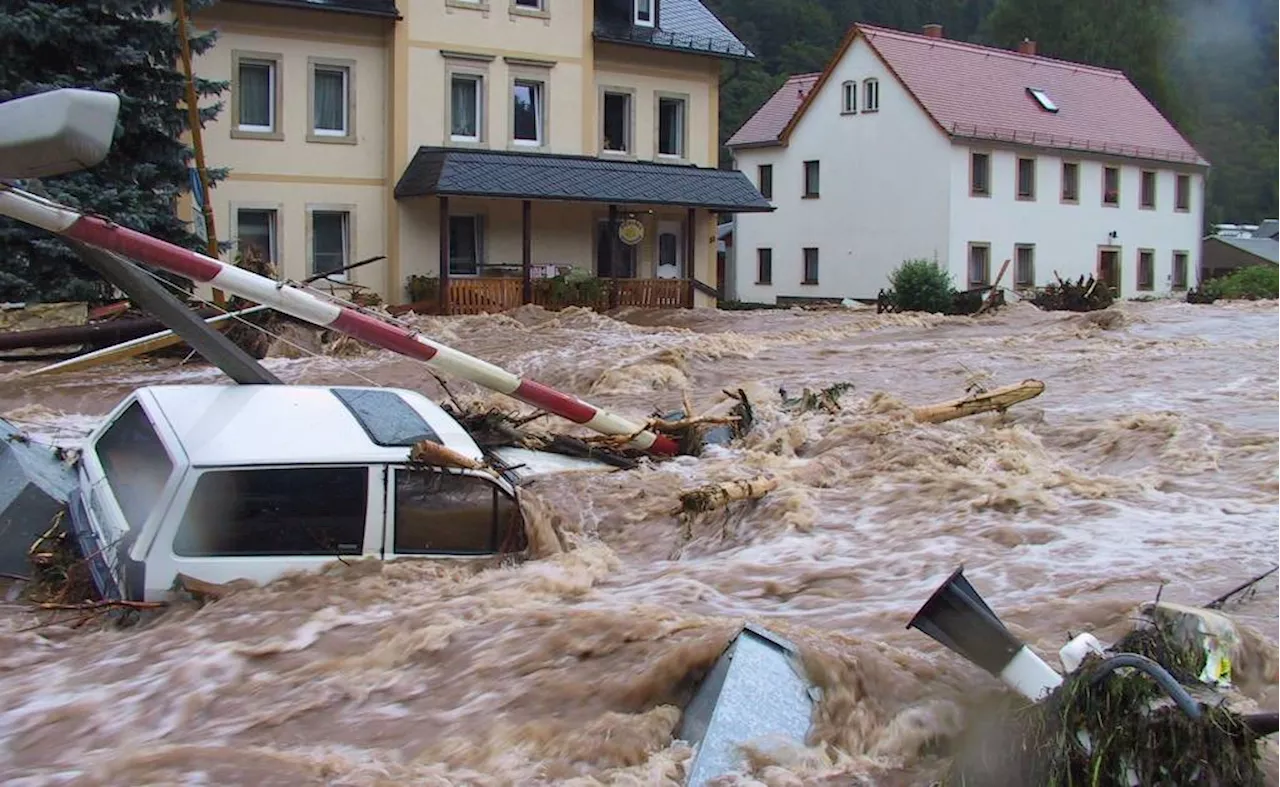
point(275, 511)
point(452, 514)
point(135, 463)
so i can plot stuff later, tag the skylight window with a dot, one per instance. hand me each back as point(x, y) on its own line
point(1042, 98)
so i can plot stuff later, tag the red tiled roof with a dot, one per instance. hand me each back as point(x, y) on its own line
point(767, 123)
point(980, 92)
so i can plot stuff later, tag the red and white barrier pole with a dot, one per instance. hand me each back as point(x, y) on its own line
point(298, 303)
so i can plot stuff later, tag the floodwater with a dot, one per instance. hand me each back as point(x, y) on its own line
point(1150, 461)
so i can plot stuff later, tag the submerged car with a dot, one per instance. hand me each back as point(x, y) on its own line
point(220, 483)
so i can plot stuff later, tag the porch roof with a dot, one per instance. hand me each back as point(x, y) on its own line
point(454, 172)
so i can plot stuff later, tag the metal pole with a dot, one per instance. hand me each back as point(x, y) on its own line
point(301, 304)
point(526, 252)
point(197, 139)
point(442, 280)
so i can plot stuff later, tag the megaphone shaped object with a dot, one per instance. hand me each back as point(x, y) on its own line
point(956, 616)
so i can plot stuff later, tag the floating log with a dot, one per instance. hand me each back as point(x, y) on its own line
point(130, 349)
point(426, 452)
point(983, 402)
point(96, 334)
point(716, 496)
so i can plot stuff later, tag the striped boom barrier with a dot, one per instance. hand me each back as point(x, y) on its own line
point(298, 303)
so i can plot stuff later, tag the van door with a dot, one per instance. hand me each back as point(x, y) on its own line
point(259, 523)
point(448, 513)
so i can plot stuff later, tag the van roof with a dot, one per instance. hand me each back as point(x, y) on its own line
point(302, 424)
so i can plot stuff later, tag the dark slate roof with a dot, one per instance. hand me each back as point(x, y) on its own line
point(1263, 248)
point(683, 25)
point(383, 8)
point(452, 172)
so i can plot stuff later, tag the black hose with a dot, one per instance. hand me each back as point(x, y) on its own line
point(1263, 723)
point(1171, 687)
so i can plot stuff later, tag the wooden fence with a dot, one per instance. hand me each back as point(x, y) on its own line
point(497, 294)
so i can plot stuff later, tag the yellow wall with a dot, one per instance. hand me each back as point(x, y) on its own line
point(401, 89)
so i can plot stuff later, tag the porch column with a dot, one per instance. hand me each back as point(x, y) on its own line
point(443, 289)
point(691, 270)
point(526, 252)
point(612, 256)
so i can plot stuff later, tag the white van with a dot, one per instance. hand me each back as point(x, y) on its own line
point(253, 481)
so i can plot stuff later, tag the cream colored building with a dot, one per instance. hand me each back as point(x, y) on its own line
point(359, 128)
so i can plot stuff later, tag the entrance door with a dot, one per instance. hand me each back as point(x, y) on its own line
point(1109, 269)
point(624, 256)
point(670, 262)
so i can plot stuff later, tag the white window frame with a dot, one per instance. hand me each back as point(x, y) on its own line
point(345, 71)
point(348, 221)
point(273, 63)
point(849, 98)
point(528, 5)
point(539, 111)
point(273, 226)
point(628, 122)
point(477, 81)
point(870, 95)
point(682, 143)
point(653, 13)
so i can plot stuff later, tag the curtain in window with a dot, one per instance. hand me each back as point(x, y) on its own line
point(328, 242)
point(255, 230)
point(255, 94)
point(331, 99)
point(463, 105)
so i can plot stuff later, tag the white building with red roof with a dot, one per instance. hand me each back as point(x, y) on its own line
point(913, 146)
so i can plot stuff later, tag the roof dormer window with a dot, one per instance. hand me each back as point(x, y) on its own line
point(1042, 98)
point(644, 12)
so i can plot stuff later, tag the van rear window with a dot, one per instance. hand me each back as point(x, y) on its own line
point(275, 511)
point(135, 463)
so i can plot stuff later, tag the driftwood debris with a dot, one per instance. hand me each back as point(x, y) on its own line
point(828, 399)
point(717, 496)
point(999, 400)
point(1084, 295)
point(432, 454)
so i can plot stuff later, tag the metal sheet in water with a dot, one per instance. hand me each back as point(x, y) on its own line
point(34, 486)
point(755, 690)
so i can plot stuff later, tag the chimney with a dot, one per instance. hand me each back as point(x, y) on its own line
point(933, 30)
point(1027, 47)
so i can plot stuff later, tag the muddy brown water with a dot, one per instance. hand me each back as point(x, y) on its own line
point(1150, 459)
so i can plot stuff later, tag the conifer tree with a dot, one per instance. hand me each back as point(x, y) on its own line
point(128, 47)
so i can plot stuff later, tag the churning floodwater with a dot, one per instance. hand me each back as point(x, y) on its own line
point(1150, 460)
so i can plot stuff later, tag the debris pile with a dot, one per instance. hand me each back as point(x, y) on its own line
point(1085, 295)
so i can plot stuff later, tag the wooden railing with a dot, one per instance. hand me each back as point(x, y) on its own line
point(654, 293)
point(480, 295)
point(491, 295)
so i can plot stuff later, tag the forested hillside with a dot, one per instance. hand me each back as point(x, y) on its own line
point(1209, 65)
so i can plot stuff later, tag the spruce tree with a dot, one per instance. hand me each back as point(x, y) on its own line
point(127, 47)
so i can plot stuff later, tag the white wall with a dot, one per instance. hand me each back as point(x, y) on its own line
point(1067, 236)
point(884, 189)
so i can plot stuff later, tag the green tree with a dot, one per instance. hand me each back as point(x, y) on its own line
point(126, 47)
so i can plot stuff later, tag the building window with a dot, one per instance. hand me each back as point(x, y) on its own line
point(810, 266)
point(617, 122)
point(979, 265)
point(1070, 182)
point(764, 180)
point(1147, 192)
point(764, 266)
point(528, 113)
point(1024, 267)
point(135, 464)
point(256, 230)
point(529, 5)
point(644, 12)
point(1182, 197)
point(811, 179)
point(275, 511)
point(465, 107)
point(1111, 186)
point(258, 102)
point(1146, 269)
point(980, 175)
point(330, 100)
point(1026, 178)
point(1042, 98)
point(1179, 270)
point(466, 245)
point(330, 241)
point(849, 98)
point(871, 95)
point(671, 124)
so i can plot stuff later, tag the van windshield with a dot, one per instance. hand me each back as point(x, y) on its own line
point(135, 464)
